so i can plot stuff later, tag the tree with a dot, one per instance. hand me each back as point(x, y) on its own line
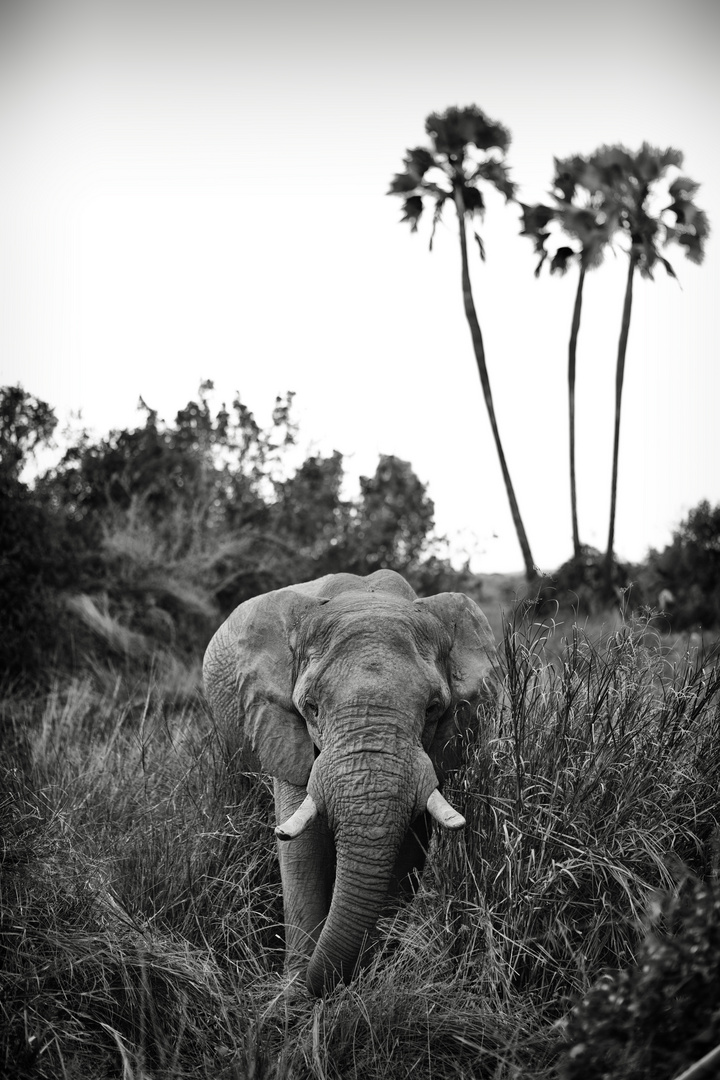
point(212, 467)
point(394, 518)
point(690, 568)
point(310, 515)
point(36, 557)
point(171, 519)
point(628, 182)
point(139, 542)
point(26, 423)
point(589, 227)
point(388, 526)
point(451, 171)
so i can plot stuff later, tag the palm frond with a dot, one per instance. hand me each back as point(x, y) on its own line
point(536, 218)
point(418, 161)
point(412, 211)
point(497, 174)
point(651, 162)
point(455, 129)
point(693, 239)
point(588, 225)
point(472, 200)
point(646, 256)
point(593, 254)
point(670, 157)
point(560, 263)
point(608, 169)
point(668, 267)
point(437, 214)
point(541, 262)
point(691, 228)
point(683, 189)
point(568, 173)
point(402, 183)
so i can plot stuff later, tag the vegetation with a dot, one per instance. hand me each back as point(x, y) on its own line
point(630, 181)
point(612, 192)
point(620, 197)
point(37, 559)
point(140, 542)
point(689, 568)
point(571, 930)
point(681, 583)
point(451, 172)
point(583, 219)
point(646, 1018)
point(141, 909)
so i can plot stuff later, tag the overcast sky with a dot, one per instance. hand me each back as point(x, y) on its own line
point(196, 191)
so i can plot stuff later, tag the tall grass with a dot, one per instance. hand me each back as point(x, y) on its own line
point(597, 780)
point(141, 910)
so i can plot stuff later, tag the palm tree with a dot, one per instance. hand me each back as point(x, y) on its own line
point(628, 182)
point(589, 226)
point(451, 171)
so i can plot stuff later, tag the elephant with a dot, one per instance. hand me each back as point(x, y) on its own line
point(357, 697)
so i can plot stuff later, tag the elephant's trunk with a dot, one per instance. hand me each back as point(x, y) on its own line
point(370, 800)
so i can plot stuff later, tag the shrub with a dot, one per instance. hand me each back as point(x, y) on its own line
point(145, 539)
point(661, 1015)
point(599, 770)
point(37, 561)
point(579, 584)
point(690, 568)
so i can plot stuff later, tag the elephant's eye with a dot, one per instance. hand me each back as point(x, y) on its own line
point(433, 709)
point(311, 707)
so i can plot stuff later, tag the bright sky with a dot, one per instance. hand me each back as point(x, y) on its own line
point(197, 191)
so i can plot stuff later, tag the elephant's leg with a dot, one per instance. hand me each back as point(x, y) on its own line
point(307, 869)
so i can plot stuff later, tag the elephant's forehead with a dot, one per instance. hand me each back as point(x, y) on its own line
point(388, 621)
point(369, 604)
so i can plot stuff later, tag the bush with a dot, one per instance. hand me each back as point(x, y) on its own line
point(599, 771)
point(579, 584)
point(145, 539)
point(37, 558)
point(690, 568)
point(663, 1014)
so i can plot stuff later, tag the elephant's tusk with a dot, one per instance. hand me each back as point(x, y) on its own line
point(443, 812)
point(306, 812)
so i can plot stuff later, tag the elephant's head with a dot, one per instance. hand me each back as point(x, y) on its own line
point(362, 694)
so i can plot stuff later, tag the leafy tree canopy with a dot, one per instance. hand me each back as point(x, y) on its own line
point(610, 192)
point(26, 423)
point(211, 462)
point(460, 158)
point(690, 568)
point(150, 535)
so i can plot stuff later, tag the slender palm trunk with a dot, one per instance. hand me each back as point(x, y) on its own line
point(572, 355)
point(476, 334)
point(619, 377)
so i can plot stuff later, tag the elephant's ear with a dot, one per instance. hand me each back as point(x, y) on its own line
point(248, 675)
point(471, 670)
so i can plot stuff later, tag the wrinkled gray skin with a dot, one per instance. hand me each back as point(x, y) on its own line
point(352, 690)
